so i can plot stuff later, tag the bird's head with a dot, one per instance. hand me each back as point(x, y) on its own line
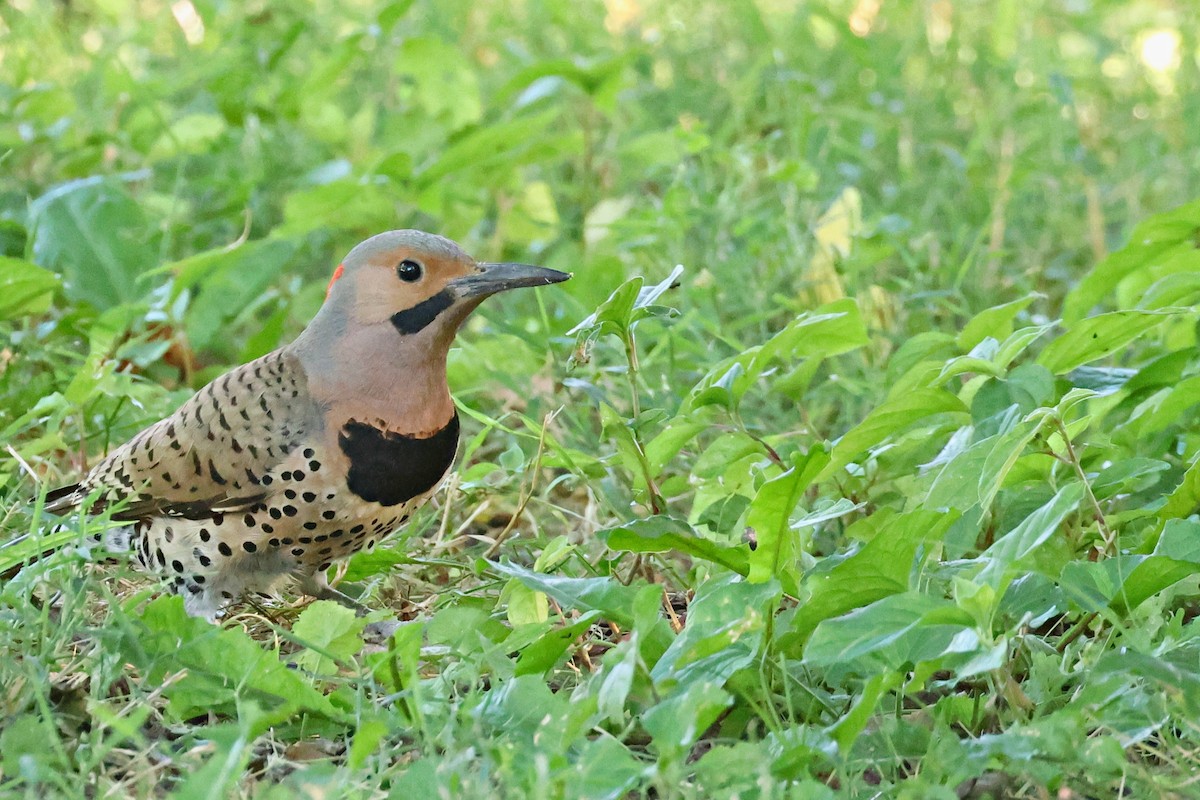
point(419, 282)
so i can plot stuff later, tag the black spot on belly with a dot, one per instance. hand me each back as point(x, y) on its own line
point(411, 320)
point(390, 468)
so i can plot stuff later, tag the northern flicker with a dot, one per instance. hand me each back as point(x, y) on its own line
point(289, 463)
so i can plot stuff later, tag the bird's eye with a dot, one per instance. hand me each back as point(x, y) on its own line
point(410, 271)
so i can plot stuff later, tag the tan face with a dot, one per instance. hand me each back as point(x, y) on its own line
point(402, 277)
point(419, 284)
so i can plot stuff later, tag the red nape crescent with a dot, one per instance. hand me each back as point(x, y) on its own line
point(337, 273)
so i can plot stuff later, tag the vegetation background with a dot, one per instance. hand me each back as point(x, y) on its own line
point(890, 490)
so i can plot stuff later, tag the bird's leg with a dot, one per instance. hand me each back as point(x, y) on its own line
point(317, 585)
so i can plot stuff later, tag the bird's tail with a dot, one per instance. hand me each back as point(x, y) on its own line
point(64, 498)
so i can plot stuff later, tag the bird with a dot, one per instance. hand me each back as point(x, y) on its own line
point(292, 462)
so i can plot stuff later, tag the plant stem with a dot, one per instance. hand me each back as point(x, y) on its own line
point(657, 504)
point(1106, 534)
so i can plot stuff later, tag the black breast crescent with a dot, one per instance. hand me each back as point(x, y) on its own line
point(390, 468)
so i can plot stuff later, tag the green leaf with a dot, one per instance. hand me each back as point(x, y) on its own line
point(629, 303)
point(974, 475)
point(930, 623)
point(1184, 500)
point(723, 635)
point(1002, 560)
point(95, 235)
point(445, 83)
point(668, 442)
point(1165, 408)
point(226, 281)
point(604, 769)
point(25, 288)
point(164, 640)
point(659, 534)
point(1154, 240)
point(1096, 337)
point(524, 606)
point(344, 203)
point(995, 322)
point(770, 513)
point(616, 679)
point(893, 416)
point(828, 331)
point(544, 652)
point(882, 567)
point(331, 632)
point(612, 599)
point(1175, 557)
point(676, 723)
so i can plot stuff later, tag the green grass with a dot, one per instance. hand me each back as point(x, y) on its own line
point(891, 491)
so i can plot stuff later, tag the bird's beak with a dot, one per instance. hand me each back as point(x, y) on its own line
point(500, 277)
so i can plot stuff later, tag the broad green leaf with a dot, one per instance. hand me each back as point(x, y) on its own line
point(543, 653)
point(995, 322)
point(1099, 336)
point(1002, 560)
point(519, 705)
point(882, 567)
point(873, 629)
point(723, 634)
point(524, 606)
point(975, 475)
point(1128, 475)
point(367, 736)
point(1184, 500)
point(24, 288)
point(1180, 289)
point(165, 640)
point(97, 237)
point(1152, 242)
point(677, 722)
point(445, 83)
point(612, 599)
point(1175, 557)
point(769, 516)
point(1166, 407)
point(659, 534)
point(225, 281)
point(893, 416)
point(668, 442)
point(615, 314)
point(617, 429)
point(630, 302)
point(603, 769)
point(615, 680)
point(827, 331)
point(331, 632)
point(344, 203)
point(507, 143)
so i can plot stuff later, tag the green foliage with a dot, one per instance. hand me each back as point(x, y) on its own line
point(860, 457)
